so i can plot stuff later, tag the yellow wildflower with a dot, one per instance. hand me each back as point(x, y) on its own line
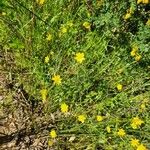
point(56, 79)
point(49, 37)
point(119, 87)
point(133, 53)
point(134, 142)
point(81, 118)
point(63, 30)
point(79, 57)
point(141, 147)
point(53, 133)
point(99, 118)
point(134, 50)
point(139, 1)
point(127, 16)
point(46, 59)
point(136, 122)
point(138, 57)
point(131, 10)
point(40, 2)
point(145, 1)
point(50, 142)
point(121, 132)
point(43, 94)
point(64, 108)
point(87, 25)
point(148, 22)
point(108, 129)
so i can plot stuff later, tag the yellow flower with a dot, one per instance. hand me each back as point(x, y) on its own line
point(56, 79)
point(148, 22)
point(64, 108)
point(119, 87)
point(79, 57)
point(141, 147)
point(134, 142)
point(87, 25)
point(138, 57)
point(133, 53)
point(145, 1)
point(121, 132)
point(108, 129)
point(139, 1)
point(49, 37)
point(53, 133)
point(99, 118)
point(136, 122)
point(46, 59)
point(40, 2)
point(134, 50)
point(50, 142)
point(81, 118)
point(63, 30)
point(127, 16)
point(43, 94)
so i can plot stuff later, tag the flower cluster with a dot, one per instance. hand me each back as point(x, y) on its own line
point(136, 144)
point(134, 53)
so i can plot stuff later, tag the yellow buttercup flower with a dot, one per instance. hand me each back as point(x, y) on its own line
point(141, 147)
point(119, 87)
point(134, 50)
point(56, 79)
point(135, 142)
point(49, 37)
point(79, 57)
point(99, 118)
point(133, 53)
point(139, 1)
point(46, 59)
point(81, 118)
point(136, 122)
point(108, 129)
point(127, 16)
point(43, 94)
point(64, 108)
point(87, 25)
point(145, 1)
point(53, 133)
point(40, 2)
point(138, 57)
point(121, 132)
point(63, 30)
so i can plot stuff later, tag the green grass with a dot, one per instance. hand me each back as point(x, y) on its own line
point(89, 88)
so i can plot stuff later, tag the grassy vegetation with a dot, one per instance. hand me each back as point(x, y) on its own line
point(89, 63)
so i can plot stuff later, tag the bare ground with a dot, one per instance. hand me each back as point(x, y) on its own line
point(22, 124)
